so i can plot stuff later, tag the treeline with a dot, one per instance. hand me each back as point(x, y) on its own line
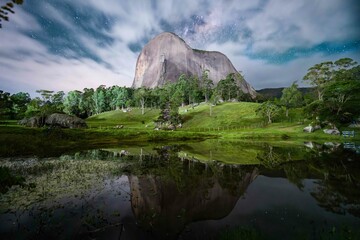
point(187, 90)
point(335, 97)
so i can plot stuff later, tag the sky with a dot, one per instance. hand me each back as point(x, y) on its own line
point(71, 45)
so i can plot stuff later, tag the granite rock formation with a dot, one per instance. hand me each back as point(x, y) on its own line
point(167, 56)
point(54, 120)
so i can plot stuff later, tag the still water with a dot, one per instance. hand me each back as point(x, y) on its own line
point(195, 190)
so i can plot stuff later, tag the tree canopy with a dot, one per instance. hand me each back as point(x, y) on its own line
point(8, 8)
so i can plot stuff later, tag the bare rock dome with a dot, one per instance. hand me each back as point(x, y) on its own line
point(167, 56)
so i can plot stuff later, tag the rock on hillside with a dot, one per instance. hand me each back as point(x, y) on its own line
point(65, 121)
point(167, 56)
point(54, 120)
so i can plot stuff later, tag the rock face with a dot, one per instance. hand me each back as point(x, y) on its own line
point(54, 120)
point(33, 122)
point(65, 121)
point(167, 56)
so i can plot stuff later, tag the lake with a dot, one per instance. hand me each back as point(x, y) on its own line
point(194, 190)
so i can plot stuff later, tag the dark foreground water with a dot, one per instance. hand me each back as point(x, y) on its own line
point(205, 190)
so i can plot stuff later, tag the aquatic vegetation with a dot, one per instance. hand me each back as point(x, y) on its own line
point(53, 180)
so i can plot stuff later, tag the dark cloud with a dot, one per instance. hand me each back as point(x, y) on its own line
point(272, 41)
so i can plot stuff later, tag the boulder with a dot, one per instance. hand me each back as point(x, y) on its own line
point(308, 129)
point(33, 121)
point(311, 128)
point(64, 121)
point(332, 131)
point(317, 127)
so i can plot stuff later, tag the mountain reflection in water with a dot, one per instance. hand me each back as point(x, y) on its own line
point(184, 191)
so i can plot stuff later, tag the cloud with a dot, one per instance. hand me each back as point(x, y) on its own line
point(68, 45)
point(281, 25)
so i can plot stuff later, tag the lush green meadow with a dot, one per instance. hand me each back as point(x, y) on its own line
point(236, 120)
point(229, 121)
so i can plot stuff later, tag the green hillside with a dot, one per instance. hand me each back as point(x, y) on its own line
point(224, 115)
point(131, 119)
point(228, 120)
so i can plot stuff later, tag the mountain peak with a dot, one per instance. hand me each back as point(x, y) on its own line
point(167, 56)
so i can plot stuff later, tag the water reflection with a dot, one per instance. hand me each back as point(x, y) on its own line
point(184, 191)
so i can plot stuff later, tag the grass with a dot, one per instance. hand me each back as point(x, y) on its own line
point(131, 119)
point(229, 115)
point(229, 121)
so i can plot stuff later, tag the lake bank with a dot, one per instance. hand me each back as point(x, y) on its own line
point(18, 140)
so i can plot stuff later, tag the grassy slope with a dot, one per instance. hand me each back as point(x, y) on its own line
point(132, 119)
point(223, 115)
point(228, 120)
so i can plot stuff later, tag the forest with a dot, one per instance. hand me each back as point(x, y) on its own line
point(334, 96)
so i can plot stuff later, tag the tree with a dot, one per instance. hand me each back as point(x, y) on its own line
point(194, 89)
point(57, 101)
point(344, 63)
point(19, 104)
point(344, 87)
point(291, 97)
point(141, 95)
point(240, 81)
point(318, 75)
point(206, 84)
point(72, 103)
point(8, 8)
point(46, 105)
point(33, 108)
point(183, 87)
point(339, 93)
point(119, 97)
point(99, 99)
point(268, 110)
point(227, 88)
point(5, 105)
point(86, 104)
point(215, 97)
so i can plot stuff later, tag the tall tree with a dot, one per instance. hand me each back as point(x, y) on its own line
point(19, 104)
point(141, 95)
point(86, 104)
point(318, 75)
point(99, 99)
point(119, 97)
point(214, 99)
point(58, 100)
point(5, 105)
point(228, 88)
point(206, 85)
point(183, 87)
point(72, 103)
point(291, 97)
point(339, 93)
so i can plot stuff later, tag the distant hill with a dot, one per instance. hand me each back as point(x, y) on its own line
point(277, 92)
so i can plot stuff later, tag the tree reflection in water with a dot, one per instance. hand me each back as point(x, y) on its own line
point(158, 192)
